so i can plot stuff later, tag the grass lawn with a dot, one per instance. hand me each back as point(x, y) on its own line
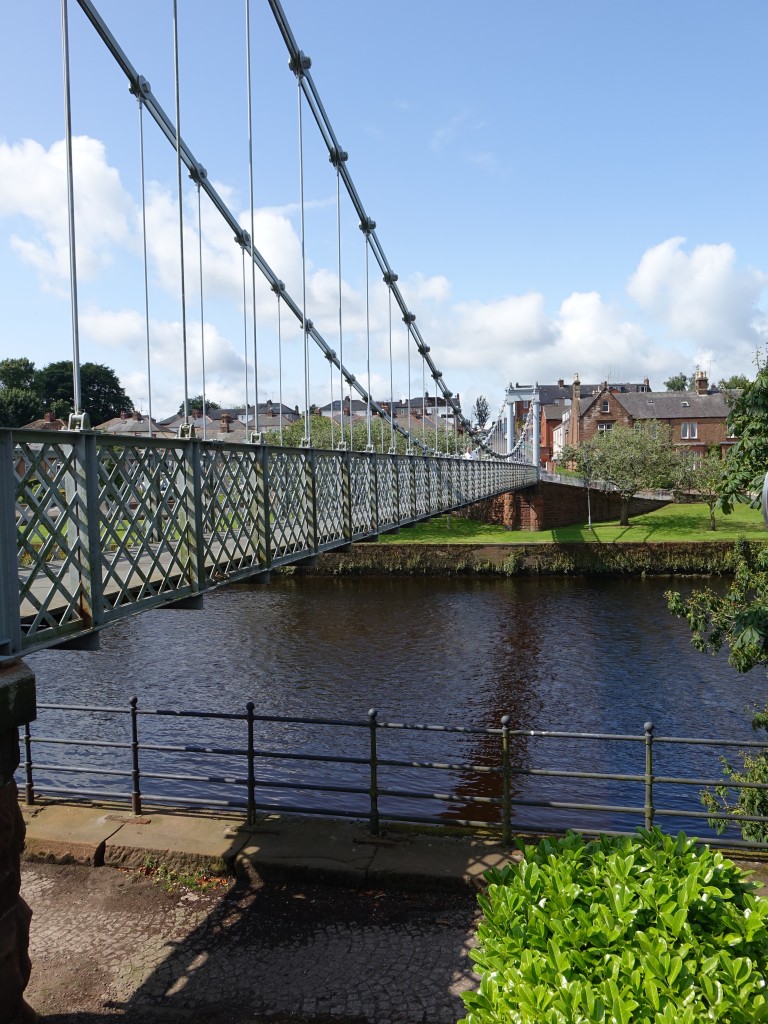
point(671, 523)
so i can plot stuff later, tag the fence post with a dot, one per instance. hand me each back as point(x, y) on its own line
point(374, 790)
point(251, 774)
point(29, 790)
point(136, 788)
point(506, 802)
point(648, 727)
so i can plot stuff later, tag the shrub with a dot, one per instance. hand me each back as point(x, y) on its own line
point(645, 930)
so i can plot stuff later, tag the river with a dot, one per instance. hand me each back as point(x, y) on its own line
point(570, 654)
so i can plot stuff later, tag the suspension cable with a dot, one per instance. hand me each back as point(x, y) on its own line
point(245, 330)
point(389, 280)
point(409, 319)
point(300, 66)
point(77, 396)
point(337, 157)
point(144, 250)
point(278, 288)
point(202, 307)
point(250, 183)
point(367, 227)
point(181, 209)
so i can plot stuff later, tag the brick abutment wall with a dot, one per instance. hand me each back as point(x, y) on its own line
point(547, 506)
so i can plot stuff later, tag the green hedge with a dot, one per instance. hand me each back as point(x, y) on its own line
point(622, 931)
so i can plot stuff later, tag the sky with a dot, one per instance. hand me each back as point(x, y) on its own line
point(561, 186)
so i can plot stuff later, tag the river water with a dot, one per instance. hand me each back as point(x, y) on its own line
point(565, 654)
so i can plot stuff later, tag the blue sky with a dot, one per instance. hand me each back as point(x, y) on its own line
point(561, 187)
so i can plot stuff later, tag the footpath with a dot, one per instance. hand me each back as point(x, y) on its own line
point(325, 923)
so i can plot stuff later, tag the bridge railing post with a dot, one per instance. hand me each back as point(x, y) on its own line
point(190, 521)
point(310, 469)
point(506, 797)
point(263, 509)
point(10, 609)
point(251, 806)
point(373, 477)
point(648, 809)
point(346, 495)
point(94, 590)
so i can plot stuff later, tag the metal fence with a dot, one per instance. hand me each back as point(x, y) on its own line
point(471, 777)
point(94, 527)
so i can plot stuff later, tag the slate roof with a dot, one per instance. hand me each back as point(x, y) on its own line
point(675, 405)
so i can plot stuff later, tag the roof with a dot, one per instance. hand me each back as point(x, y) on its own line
point(676, 405)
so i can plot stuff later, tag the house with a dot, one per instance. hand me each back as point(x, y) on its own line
point(49, 422)
point(697, 418)
point(133, 424)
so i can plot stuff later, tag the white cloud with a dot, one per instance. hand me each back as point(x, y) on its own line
point(701, 296)
point(35, 188)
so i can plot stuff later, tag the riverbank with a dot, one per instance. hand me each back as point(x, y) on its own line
point(700, 558)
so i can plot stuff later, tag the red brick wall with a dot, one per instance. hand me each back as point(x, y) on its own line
point(546, 506)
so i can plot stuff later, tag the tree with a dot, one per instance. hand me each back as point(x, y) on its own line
point(17, 407)
point(679, 382)
point(197, 403)
point(736, 382)
point(102, 395)
point(18, 373)
point(630, 459)
point(481, 411)
point(702, 476)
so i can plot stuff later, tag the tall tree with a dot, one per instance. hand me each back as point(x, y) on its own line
point(197, 403)
point(18, 373)
point(736, 382)
point(481, 411)
point(18, 407)
point(679, 382)
point(630, 459)
point(103, 396)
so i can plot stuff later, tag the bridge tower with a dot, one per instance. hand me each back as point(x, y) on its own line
point(515, 396)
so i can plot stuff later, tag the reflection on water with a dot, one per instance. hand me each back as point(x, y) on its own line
point(578, 655)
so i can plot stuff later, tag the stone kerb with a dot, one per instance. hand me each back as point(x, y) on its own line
point(17, 707)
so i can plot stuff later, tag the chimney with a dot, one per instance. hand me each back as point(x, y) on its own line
point(137, 415)
point(561, 383)
point(123, 414)
point(224, 427)
point(49, 417)
point(701, 383)
point(575, 421)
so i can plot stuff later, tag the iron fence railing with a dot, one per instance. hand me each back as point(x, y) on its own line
point(380, 771)
point(93, 527)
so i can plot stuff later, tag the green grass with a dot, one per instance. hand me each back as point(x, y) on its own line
point(671, 524)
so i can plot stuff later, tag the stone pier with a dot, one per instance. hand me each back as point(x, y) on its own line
point(17, 706)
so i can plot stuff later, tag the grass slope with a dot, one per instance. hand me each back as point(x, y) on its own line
point(673, 523)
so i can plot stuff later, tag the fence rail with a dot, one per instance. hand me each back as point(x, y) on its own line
point(236, 770)
point(94, 528)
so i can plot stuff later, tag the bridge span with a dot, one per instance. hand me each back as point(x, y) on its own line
point(94, 528)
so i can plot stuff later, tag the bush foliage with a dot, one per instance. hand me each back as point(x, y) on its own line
point(648, 930)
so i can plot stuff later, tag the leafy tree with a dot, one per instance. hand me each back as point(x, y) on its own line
point(197, 403)
point(18, 373)
point(102, 395)
point(736, 382)
point(293, 433)
point(481, 411)
point(679, 382)
point(17, 406)
point(630, 459)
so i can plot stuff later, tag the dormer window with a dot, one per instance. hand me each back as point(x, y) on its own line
point(686, 405)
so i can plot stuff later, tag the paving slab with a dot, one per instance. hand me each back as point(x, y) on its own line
point(178, 841)
point(69, 835)
point(281, 847)
point(437, 861)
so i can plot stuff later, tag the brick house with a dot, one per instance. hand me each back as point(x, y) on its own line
point(697, 418)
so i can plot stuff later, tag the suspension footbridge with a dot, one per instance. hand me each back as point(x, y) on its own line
point(95, 527)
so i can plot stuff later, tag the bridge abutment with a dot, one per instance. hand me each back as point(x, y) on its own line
point(17, 707)
point(549, 505)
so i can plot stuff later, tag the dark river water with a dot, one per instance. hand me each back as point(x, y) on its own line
point(576, 655)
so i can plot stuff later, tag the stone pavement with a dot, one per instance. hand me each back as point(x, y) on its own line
point(388, 943)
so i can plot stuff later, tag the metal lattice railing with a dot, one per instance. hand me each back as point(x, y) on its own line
point(93, 528)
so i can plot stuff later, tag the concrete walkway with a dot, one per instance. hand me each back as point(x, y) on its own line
point(387, 943)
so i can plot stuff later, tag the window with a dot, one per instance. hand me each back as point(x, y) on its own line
point(689, 431)
point(604, 406)
point(603, 428)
